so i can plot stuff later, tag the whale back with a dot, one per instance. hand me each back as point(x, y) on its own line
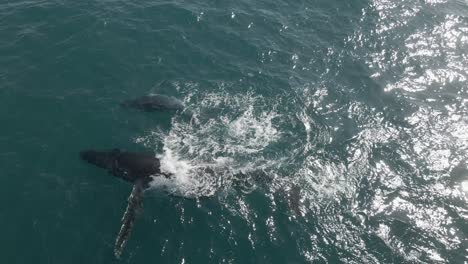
point(156, 102)
point(129, 166)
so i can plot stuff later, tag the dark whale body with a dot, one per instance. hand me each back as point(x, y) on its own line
point(130, 166)
point(157, 102)
point(134, 167)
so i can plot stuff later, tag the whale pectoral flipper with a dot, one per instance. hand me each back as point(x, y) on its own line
point(134, 206)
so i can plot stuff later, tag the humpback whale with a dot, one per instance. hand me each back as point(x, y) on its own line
point(134, 167)
point(156, 102)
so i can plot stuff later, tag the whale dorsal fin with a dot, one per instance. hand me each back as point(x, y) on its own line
point(135, 204)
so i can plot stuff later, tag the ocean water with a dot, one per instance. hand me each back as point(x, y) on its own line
point(348, 121)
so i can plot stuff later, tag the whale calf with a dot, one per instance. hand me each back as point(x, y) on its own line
point(156, 102)
point(134, 167)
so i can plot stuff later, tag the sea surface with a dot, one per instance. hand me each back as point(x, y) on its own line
point(321, 131)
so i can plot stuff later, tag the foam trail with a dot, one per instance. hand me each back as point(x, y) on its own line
point(206, 153)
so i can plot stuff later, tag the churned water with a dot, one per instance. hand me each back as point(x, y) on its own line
point(324, 131)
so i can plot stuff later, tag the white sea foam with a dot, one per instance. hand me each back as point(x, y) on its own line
point(206, 152)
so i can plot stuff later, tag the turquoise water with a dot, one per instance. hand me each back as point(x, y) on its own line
point(348, 119)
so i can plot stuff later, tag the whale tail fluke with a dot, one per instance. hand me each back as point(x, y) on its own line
point(134, 206)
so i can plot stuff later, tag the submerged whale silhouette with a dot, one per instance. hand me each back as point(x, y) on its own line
point(156, 102)
point(134, 167)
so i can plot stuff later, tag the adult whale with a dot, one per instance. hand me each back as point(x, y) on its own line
point(155, 102)
point(134, 167)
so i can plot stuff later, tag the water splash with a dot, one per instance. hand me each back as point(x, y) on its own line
point(207, 152)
